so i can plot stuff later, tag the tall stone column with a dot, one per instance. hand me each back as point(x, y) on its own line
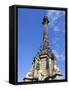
point(44, 56)
point(45, 32)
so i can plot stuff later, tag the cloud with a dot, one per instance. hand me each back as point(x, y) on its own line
point(54, 16)
point(56, 29)
point(59, 56)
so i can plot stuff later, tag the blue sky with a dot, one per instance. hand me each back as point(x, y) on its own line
point(30, 35)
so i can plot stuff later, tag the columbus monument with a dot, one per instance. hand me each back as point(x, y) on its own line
point(44, 65)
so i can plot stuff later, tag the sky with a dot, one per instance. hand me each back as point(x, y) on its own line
point(30, 36)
